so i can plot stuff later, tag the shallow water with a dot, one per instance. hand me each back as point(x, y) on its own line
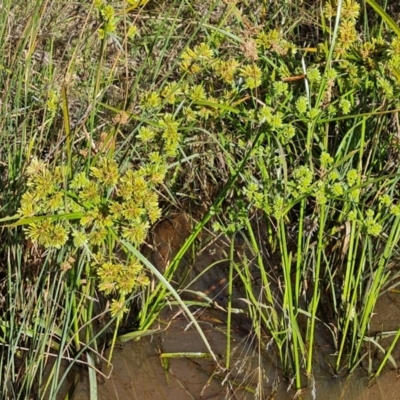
point(139, 374)
point(255, 372)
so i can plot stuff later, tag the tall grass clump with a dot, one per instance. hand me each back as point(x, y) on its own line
point(70, 196)
point(283, 132)
point(326, 189)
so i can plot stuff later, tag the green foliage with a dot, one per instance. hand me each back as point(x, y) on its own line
point(227, 110)
point(105, 204)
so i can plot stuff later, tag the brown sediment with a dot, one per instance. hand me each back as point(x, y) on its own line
point(167, 237)
point(203, 272)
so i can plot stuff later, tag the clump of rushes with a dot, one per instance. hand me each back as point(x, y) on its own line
point(290, 131)
point(315, 173)
point(92, 210)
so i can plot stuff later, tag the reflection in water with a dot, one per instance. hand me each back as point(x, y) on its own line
point(255, 372)
point(139, 374)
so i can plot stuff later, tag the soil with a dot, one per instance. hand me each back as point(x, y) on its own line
point(203, 273)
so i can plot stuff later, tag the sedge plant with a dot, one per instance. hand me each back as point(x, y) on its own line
point(171, 104)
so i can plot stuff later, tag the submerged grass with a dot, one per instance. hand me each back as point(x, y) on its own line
point(285, 135)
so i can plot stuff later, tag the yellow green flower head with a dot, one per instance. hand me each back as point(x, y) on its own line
point(276, 120)
point(302, 104)
point(226, 70)
point(146, 134)
point(198, 93)
point(280, 88)
point(345, 106)
point(118, 308)
point(320, 195)
point(79, 181)
point(108, 12)
point(150, 100)
point(36, 167)
point(98, 236)
point(80, 239)
point(136, 232)
point(373, 228)
point(190, 67)
point(303, 178)
point(351, 9)
point(47, 234)
point(314, 76)
point(252, 75)
point(90, 194)
point(203, 51)
point(278, 207)
point(28, 206)
point(131, 210)
point(313, 113)
point(352, 216)
point(352, 177)
point(106, 172)
point(385, 200)
point(55, 202)
point(52, 101)
point(337, 189)
point(334, 176)
point(171, 91)
point(273, 40)
point(395, 210)
point(189, 55)
point(265, 114)
point(287, 133)
point(98, 4)
point(155, 157)
point(331, 74)
point(326, 159)
point(132, 31)
point(347, 35)
point(354, 194)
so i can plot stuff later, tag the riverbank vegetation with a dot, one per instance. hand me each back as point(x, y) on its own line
point(258, 113)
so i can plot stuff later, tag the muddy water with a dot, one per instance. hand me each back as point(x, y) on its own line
point(254, 373)
point(139, 373)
